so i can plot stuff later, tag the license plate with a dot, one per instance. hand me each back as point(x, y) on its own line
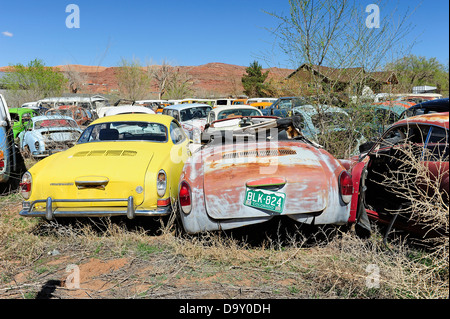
point(263, 199)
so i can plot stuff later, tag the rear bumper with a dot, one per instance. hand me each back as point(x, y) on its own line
point(28, 209)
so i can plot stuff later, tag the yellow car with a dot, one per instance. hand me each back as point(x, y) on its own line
point(126, 164)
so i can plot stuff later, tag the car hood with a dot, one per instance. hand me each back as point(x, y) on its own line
point(94, 170)
point(302, 173)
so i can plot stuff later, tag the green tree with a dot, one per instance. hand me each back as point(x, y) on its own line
point(33, 81)
point(253, 81)
point(418, 70)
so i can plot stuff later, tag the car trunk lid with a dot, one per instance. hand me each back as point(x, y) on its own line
point(293, 173)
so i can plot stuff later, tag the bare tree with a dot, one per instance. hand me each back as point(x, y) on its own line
point(161, 74)
point(332, 36)
point(74, 77)
point(134, 82)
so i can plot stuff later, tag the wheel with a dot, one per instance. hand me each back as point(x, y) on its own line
point(26, 153)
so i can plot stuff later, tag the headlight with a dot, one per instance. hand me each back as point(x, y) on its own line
point(196, 136)
point(36, 145)
point(161, 183)
point(25, 185)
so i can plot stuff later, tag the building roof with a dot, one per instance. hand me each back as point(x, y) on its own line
point(345, 75)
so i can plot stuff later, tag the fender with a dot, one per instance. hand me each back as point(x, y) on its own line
point(356, 178)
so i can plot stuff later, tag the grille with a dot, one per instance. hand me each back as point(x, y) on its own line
point(259, 153)
point(105, 153)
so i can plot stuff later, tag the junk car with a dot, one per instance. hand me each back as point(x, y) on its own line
point(255, 173)
point(432, 106)
point(79, 114)
point(11, 161)
point(385, 176)
point(126, 165)
point(20, 117)
point(48, 134)
point(283, 106)
point(191, 116)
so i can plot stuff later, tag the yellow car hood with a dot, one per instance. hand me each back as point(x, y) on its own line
point(104, 170)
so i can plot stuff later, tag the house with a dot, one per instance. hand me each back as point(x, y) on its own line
point(341, 80)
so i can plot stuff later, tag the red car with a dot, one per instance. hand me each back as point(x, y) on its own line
point(79, 114)
point(421, 140)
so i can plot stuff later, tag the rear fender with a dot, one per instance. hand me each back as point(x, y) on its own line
point(356, 178)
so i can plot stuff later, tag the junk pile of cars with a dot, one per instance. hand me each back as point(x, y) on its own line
point(226, 166)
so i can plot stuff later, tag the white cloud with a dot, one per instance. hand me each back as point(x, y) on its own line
point(7, 34)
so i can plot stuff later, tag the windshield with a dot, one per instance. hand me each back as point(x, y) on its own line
point(237, 112)
point(330, 120)
point(55, 123)
point(125, 131)
point(194, 113)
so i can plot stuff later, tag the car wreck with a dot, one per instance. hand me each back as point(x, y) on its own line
point(123, 165)
point(408, 164)
point(45, 135)
point(254, 173)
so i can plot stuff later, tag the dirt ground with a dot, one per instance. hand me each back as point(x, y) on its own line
point(157, 266)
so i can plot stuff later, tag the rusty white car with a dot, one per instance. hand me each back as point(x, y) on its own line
point(191, 116)
point(252, 174)
point(48, 134)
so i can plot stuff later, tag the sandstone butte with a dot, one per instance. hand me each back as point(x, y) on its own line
point(211, 79)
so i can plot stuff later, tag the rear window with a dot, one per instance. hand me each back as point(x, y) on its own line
point(124, 131)
point(237, 112)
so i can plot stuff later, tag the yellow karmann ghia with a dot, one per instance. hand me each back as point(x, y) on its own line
point(126, 164)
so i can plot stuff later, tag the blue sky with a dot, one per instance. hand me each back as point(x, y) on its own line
point(184, 32)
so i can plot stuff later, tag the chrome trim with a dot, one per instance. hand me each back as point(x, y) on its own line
point(49, 213)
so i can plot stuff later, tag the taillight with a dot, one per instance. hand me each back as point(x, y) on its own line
point(161, 182)
point(345, 186)
point(185, 197)
point(2, 160)
point(25, 185)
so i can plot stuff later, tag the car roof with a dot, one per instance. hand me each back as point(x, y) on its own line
point(21, 110)
point(130, 108)
point(51, 117)
point(185, 106)
point(155, 118)
point(438, 103)
point(234, 107)
point(439, 119)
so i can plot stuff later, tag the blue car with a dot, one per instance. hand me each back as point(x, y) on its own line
point(11, 162)
point(323, 120)
point(433, 106)
point(283, 106)
point(46, 135)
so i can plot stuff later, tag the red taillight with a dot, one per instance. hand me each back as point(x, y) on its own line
point(163, 202)
point(25, 185)
point(185, 197)
point(2, 160)
point(346, 186)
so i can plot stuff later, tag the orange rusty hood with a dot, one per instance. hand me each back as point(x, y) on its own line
point(228, 169)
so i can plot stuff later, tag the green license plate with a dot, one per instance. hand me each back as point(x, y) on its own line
point(263, 199)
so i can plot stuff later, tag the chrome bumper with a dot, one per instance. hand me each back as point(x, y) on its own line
point(130, 211)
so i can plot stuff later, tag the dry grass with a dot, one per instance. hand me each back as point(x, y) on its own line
point(141, 263)
point(149, 259)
